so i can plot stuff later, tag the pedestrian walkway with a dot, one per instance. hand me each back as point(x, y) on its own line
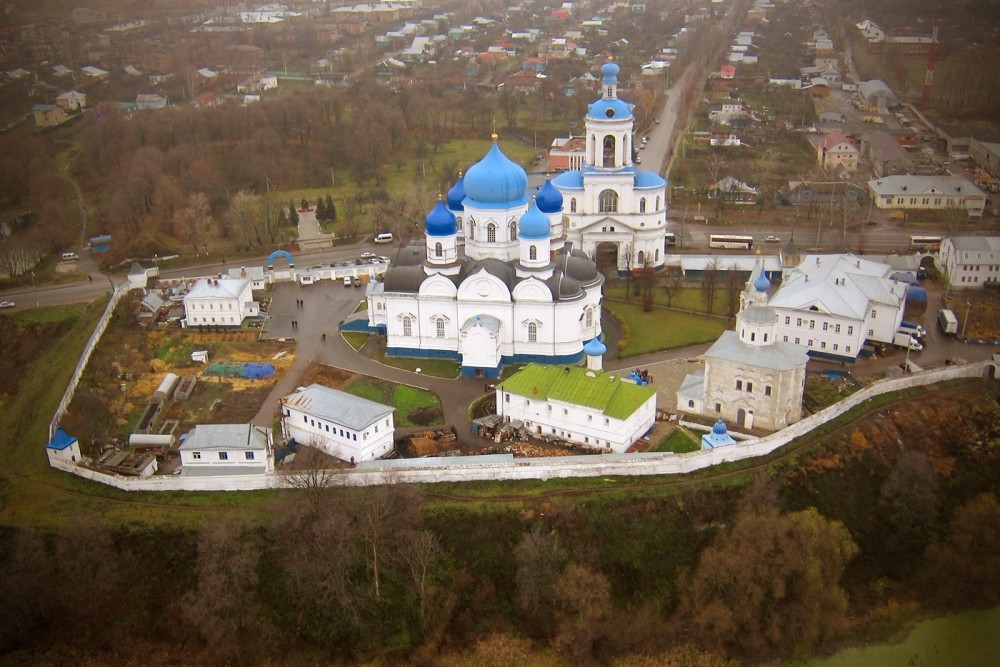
point(311, 235)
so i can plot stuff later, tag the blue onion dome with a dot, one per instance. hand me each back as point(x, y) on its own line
point(457, 194)
point(534, 224)
point(595, 348)
point(610, 71)
point(762, 284)
point(719, 428)
point(496, 179)
point(549, 199)
point(440, 221)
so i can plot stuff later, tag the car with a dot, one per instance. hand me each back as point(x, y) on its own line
point(657, 121)
point(771, 238)
point(872, 223)
point(356, 280)
point(6, 304)
point(367, 255)
point(638, 160)
point(384, 260)
point(641, 146)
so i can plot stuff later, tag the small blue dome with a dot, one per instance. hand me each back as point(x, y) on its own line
point(496, 179)
point(534, 224)
point(610, 72)
point(762, 284)
point(549, 199)
point(595, 348)
point(719, 428)
point(456, 195)
point(440, 221)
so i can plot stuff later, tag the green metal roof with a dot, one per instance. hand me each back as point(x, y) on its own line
point(610, 394)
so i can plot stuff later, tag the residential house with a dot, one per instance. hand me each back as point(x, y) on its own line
point(567, 153)
point(822, 194)
point(49, 115)
point(731, 190)
point(915, 193)
point(348, 427)
point(533, 64)
point(580, 405)
point(227, 449)
point(833, 304)
point(95, 73)
point(834, 151)
point(970, 261)
point(726, 112)
point(72, 100)
point(219, 302)
point(886, 155)
point(986, 155)
point(150, 101)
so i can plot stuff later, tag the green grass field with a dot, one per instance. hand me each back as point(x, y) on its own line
point(661, 329)
point(969, 639)
point(680, 441)
point(404, 398)
point(686, 298)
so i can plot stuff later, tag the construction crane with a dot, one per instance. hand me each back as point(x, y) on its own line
point(932, 58)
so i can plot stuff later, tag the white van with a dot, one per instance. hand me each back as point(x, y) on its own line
point(383, 237)
point(70, 257)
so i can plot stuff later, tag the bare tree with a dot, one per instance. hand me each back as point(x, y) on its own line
point(709, 282)
point(312, 475)
point(671, 283)
point(242, 216)
point(734, 287)
point(422, 552)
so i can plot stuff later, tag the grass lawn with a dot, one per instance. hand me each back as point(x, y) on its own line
point(686, 298)
point(680, 441)
point(403, 398)
point(661, 329)
point(355, 338)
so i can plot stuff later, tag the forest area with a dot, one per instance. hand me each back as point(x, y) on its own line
point(843, 544)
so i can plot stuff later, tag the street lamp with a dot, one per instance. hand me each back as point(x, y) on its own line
point(34, 289)
point(965, 322)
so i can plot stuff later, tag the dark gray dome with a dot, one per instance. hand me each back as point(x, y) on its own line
point(563, 287)
point(404, 278)
point(411, 255)
point(494, 267)
point(581, 269)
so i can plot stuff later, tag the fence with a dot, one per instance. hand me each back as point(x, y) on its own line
point(506, 467)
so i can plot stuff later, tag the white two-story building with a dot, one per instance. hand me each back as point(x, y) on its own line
point(910, 193)
point(832, 304)
point(970, 261)
point(341, 424)
point(219, 302)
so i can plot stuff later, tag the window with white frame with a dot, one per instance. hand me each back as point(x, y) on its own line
point(407, 326)
point(491, 233)
point(439, 323)
point(607, 202)
point(532, 332)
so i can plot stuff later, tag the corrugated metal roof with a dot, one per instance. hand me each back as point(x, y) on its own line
point(218, 288)
point(337, 406)
point(841, 285)
point(608, 393)
point(693, 386)
point(207, 437)
point(777, 356)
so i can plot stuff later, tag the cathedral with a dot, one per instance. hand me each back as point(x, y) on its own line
point(614, 210)
point(515, 291)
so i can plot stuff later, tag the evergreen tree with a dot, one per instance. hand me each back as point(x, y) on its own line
point(320, 210)
point(331, 210)
point(293, 215)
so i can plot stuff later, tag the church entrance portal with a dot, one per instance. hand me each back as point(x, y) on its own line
point(607, 256)
point(741, 417)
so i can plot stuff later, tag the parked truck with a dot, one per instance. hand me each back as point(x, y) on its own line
point(905, 340)
point(913, 329)
point(948, 322)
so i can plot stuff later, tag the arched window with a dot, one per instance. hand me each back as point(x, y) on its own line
point(657, 257)
point(472, 230)
point(532, 332)
point(440, 327)
point(657, 203)
point(572, 205)
point(642, 205)
point(642, 259)
point(532, 253)
point(607, 202)
point(609, 151)
point(407, 327)
point(590, 317)
point(438, 249)
point(513, 230)
point(491, 233)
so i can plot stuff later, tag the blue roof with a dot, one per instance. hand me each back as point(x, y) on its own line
point(534, 224)
point(762, 284)
point(61, 440)
point(609, 71)
point(495, 182)
point(456, 195)
point(648, 179)
point(570, 180)
point(720, 427)
point(549, 199)
point(605, 109)
point(440, 221)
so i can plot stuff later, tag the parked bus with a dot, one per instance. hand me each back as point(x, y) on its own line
point(730, 241)
point(669, 239)
point(926, 243)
